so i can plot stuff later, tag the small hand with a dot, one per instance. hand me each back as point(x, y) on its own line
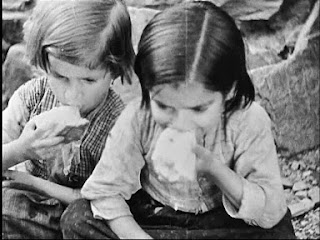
point(207, 162)
point(39, 143)
point(19, 180)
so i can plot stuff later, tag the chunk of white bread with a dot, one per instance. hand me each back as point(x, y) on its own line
point(67, 119)
point(173, 158)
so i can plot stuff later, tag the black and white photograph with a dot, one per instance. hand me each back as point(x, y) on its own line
point(160, 119)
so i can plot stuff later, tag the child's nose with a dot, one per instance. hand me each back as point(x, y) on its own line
point(72, 94)
point(182, 121)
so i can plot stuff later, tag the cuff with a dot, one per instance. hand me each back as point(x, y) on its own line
point(110, 208)
point(252, 203)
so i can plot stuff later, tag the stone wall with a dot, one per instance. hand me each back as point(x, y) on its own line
point(282, 40)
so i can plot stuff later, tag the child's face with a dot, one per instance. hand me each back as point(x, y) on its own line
point(78, 86)
point(188, 107)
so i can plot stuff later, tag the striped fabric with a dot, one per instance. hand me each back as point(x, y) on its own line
point(39, 98)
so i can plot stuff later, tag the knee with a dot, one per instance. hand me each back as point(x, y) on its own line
point(77, 213)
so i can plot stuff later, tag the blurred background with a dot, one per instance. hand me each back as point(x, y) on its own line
point(282, 43)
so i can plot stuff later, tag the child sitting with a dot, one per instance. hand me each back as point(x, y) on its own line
point(81, 46)
point(197, 158)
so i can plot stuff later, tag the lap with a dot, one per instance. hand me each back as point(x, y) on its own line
point(29, 215)
point(167, 223)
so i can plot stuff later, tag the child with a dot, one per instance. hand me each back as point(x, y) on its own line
point(81, 45)
point(197, 98)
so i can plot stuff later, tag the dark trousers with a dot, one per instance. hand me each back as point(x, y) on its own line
point(77, 222)
point(29, 215)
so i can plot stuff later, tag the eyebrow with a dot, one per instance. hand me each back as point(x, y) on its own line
point(56, 73)
point(59, 75)
point(194, 107)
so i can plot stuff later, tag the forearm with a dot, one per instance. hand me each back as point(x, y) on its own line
point(11, 155)
point(62, 193)
point(229, 183)
point(127, 228)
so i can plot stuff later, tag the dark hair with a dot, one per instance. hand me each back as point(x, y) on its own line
point(195, 41)
point(90, 33)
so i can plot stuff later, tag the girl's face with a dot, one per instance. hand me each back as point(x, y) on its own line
point(78, 86)
point(188, 107)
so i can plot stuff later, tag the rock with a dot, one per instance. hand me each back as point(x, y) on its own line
point(240, 10)
point(251, 10)
point(298, 186)
point(295, 165)
point(288, 91)
point(301, 207)
point(17, 5)
point(139, 18)
point(314, 194)
point(286, 182)
point(306, 173)
point(301, 194)
point(303, 223)
point(16, 71)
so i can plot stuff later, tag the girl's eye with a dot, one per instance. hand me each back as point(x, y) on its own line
point(164, 107)
point(199, 109)
point(88, 80)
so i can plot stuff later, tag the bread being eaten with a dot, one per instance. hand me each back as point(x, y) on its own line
point(66, 119)
point(173, 158)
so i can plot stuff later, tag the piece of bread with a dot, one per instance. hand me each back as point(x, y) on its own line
point(173, 158)
point(68, 120)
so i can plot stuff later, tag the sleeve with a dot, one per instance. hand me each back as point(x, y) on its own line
point(17, 113)
point(117, 175)
point(263, 203)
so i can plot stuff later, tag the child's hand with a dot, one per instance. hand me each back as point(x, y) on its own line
point(38, 143)
point(207, 162)
point(19, 180)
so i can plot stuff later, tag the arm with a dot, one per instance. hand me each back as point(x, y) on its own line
point(26, 181)
point(10, 155)
point(33, 143)
point(226, 179)
point(126, 227)
point(117, 176)
point(252, 189)
point(20, 140)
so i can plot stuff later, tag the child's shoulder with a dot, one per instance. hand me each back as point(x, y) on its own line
point(134, 108)
point(254, 116)
point(33, 88)
point(37, 84)
point(134, 112)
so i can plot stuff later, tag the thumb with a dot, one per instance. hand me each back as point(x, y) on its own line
point(202, 153)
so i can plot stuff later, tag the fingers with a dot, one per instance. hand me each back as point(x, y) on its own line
point(50, 142)
point(6, 183)
point(48, 131)
point(9, 174)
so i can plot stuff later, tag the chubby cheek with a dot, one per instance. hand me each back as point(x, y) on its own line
point(57, 89)
point(206, 122)
point(161, 117)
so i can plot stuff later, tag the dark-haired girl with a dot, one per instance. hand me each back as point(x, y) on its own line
point(192, 71)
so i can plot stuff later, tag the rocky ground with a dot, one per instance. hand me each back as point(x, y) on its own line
point(301, 175)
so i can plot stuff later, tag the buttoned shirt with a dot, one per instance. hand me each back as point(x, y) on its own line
point(35, 97)
point(247, 148)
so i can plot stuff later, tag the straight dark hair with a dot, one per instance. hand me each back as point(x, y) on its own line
point(195, 41)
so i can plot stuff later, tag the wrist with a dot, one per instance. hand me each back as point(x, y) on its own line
point(19, 149)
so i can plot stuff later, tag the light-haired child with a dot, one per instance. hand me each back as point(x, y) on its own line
point(197, 158)
point(81, 46)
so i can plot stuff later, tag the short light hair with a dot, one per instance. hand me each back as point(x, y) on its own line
point(92, 33)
